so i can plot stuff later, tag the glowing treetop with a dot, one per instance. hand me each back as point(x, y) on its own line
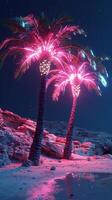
point(36, 41)
point(74, 75)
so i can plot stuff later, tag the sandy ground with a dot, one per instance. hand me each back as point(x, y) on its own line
point(33, 183)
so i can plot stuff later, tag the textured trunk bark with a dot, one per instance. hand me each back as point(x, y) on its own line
point(35, 150)
point(69, 133)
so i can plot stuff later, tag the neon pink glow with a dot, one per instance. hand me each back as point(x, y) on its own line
point(74, 76)
point(40, 42)
point(48, 49)
point(40, 49)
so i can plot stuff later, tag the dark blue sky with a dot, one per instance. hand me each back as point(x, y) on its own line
point(20, 96)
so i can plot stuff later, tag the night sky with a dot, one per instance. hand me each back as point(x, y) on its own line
point(21, 96)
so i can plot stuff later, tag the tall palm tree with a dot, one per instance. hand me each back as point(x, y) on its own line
point(35, 41)
point(75, 74)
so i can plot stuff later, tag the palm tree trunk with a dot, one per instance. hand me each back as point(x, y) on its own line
point(35, 150)
point(69, 133)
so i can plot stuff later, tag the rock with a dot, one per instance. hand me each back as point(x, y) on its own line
point(20, 155)
point(4, 158)
point(53, 168)
point(85, 148)
point(109, 156)
point(86, 145)
point(76, 143)
point(41, 161)
point(99, 150)
point(89, 159)
point(20, 188)
point(49, 137)
point(78, 157)
point(60, 140)
point(52, 149)
point(33, 178)
point(71, 195)
point(108, 146)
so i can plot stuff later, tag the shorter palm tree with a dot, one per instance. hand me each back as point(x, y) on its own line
point(74, 75)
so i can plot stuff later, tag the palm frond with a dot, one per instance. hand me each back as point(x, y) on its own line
point(50, 81)
point(21, 70)
point(65, 32)
point(59, 22)
point(56, 93)
point(14, 26)
point(10, 42)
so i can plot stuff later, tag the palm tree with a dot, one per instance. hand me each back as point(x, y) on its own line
point(35, 41)
point(74, 75)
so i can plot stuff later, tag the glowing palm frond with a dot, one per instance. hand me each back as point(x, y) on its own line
point(75, 76)
point(38, 42)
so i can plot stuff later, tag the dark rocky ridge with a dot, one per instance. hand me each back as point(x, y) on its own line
point(16, 135)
